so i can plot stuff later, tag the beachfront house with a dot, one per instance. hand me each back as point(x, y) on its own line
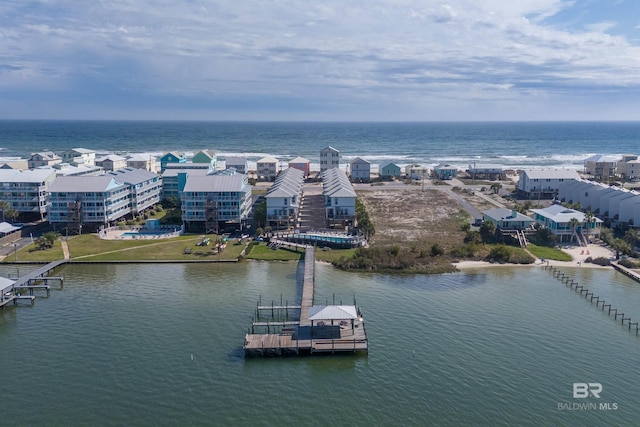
point(416, 171)
point(216, 202)
point(507, 219)
point(628, 167)
point(543, 183)
point(143, 161)
point(267, 168)
point(240, 164)
point(171, 157)
point(79, 156)
point(45, 158)
point(112, 162)
point(205, 157)
point(389, 170)
point(283, 199)
point(360, 170)
point(490, 172)
point(600, 167)
point(444, 171)
point(301, 164)
point(329, 158)
point(339, 198)
point(27, 191)
point(560, 221)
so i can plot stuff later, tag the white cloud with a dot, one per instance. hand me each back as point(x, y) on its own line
point(324, 52)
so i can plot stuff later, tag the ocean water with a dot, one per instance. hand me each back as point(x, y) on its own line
point(510, 144)
point(161, 345)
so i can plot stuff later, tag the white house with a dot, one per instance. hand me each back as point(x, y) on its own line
point(240, 164)
point(46, 158)
point(143, 161)
point(600, 166)
point(628, 167)
point(339, 198)
point(79, 156)
point(543, 183)
point(112, 162)
point(267, 168)
point(360, 170)
point(416, 171)
point(329, 158)
point(283, 198)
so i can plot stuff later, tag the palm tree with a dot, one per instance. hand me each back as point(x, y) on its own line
point(620, 245)
point(4, 205)
point(632, 236)
point(588, 219)
point(574, 223)
point(496, 186)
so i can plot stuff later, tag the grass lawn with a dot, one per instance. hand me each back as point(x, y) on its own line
point(548, 253)
point(89, 247)
point(262, 252)
point(334, 254)
point(31, 253)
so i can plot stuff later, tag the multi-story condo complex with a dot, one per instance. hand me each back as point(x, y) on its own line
point(216, 202)
point(94, 201)
point(283, 198)
point(26, 190)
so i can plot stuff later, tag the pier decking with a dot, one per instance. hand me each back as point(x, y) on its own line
point(31, 281)
point(306, 336)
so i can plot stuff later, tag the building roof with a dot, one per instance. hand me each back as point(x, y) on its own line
point(333, 312)
point(111, 158)
point(27, 175)
point(216, 183)
point(445, 166)
point(329, 148)
point(268, 159)
point(386, 163)
point(174, 172)
point(551, 173)
point(359, 160)
point(335, 183)
point(133, 176)
point(234, 160)
point(81, 184)
point(5, 227)
point(601, 158)
point(299, 160)
point(83, 150)
point(504, 214)
point(6, 284)
point(560, 214)
point(141, 158)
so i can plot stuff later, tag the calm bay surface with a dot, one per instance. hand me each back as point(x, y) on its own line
point(140, 344)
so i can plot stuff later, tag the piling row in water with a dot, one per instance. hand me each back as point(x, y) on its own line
point(567, 280)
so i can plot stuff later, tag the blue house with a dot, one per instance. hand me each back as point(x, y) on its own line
point(171, 157)
point(388, 169)
point(443, 171)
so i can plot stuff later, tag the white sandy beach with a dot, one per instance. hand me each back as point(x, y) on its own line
point(578, 253)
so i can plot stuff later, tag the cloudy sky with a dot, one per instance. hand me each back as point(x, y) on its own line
point(320, 60)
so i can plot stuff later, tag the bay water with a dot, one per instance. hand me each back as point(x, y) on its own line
point(147, 344)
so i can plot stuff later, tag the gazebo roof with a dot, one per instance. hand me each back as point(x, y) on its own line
point(333, 312)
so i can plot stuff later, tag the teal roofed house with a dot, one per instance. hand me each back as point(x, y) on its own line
point(388, 170)
point(205, 156)
point(507, 219)
point(171, 157)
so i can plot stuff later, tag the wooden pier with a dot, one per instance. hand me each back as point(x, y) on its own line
point(32, 281)
point(567, 280)
point(341, 333)
point(626, 271)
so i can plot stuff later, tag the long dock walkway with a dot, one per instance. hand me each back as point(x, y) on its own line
point(303, 336)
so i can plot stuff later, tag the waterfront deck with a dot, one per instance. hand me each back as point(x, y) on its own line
point(305, 336)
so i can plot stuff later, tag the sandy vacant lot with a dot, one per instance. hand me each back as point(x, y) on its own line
point(406, 215)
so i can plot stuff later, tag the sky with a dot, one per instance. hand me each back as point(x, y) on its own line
point(321, 60)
